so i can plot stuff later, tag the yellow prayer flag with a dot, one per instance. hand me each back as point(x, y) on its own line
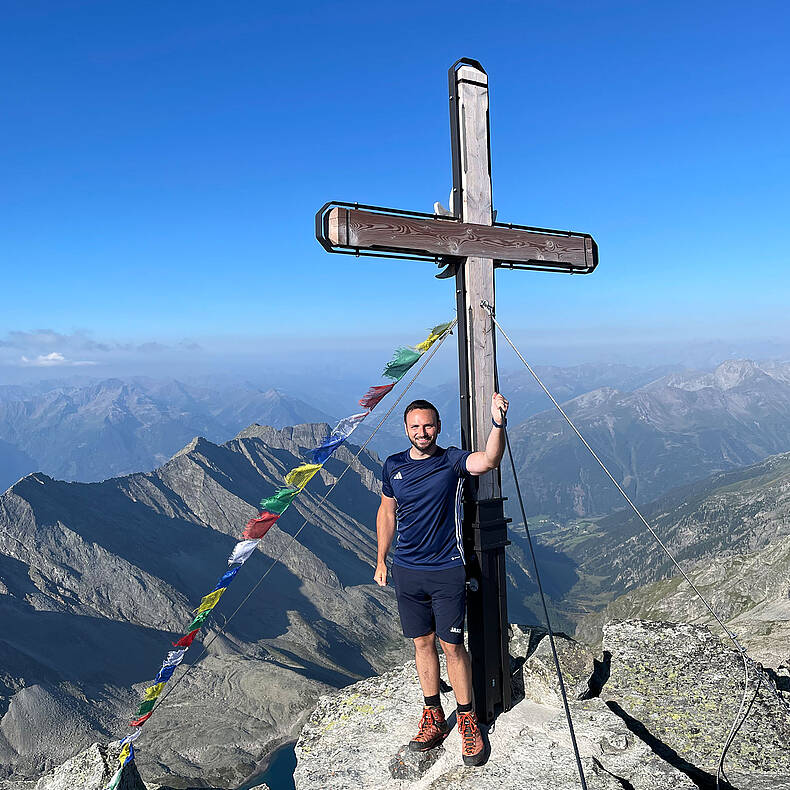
point(152, 692)
point(436, 333)
point(299, 477)
point(210, 601)
point(125, 752)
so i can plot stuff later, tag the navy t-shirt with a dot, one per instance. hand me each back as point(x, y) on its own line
point(428, 514)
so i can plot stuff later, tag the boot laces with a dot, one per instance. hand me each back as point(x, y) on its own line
point(469, 730)
point(427, 721)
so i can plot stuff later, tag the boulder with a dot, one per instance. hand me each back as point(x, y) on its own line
point(91, 769)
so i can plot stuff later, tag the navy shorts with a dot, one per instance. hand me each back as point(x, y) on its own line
point(431, 601)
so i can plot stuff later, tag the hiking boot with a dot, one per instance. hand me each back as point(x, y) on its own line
point(472, 747)
point(433, 730)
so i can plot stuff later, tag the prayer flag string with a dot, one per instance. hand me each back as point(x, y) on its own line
point(271, 509)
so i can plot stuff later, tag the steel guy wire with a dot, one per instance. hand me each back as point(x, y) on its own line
point(545, 611)
point(747, 660)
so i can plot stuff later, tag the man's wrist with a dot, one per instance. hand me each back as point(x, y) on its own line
point(499, 424)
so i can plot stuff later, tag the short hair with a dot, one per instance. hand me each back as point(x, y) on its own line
point(421, 404)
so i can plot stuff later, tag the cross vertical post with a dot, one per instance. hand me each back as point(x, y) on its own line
point(485, 525)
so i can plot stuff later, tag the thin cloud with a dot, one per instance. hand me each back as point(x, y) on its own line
point(54, 359)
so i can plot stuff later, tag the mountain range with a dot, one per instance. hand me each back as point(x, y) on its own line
point(655, 428)
point(93, 431)
point(672, 431)
point(729, 530)
point(97, 579)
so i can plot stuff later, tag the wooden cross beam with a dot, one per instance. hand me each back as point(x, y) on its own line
point(352, 229)
point(469, 241)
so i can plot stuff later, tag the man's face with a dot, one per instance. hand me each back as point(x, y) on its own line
point(422, 428)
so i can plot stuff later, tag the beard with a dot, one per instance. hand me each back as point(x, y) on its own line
point(424, 446)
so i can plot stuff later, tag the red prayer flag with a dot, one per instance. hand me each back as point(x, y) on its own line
point(187, 640)
point(142, 720)
point(258, 527)
point(374, 395)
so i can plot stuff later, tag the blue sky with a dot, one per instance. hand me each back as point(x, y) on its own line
point(162, 162)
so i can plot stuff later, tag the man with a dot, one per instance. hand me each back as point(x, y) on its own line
point(421, 500)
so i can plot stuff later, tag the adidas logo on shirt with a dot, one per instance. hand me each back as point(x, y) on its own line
point(397, 476)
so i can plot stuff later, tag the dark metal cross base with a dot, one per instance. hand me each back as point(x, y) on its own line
point(486, 605)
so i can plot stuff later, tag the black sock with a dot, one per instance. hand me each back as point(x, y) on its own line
point(433, 701)
point(464, 708)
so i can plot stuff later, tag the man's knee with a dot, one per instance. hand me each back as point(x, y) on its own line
point(453, 652)
point(425, 644)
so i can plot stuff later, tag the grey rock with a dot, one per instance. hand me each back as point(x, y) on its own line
point(353, 736)
point(409, 765)
point(535, 675)
point(679, 688)
point(92, 769)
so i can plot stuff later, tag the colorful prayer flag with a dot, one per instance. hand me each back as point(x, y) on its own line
point(146, 707)
point(374, 395)
point(164, 674)
point(241, 551)
point(115, 781)
point(139, 722)
point(208, 602)
point(348, 425)
point(404, 358)
point(152, 692)
point(258, 527)
point(187, 640)
point(300, 476)
point(200, 618)
point(225, 579)
point(321, 453)
point(436, 334)
point(130, 738)
point(174, 657)
point(279, 501)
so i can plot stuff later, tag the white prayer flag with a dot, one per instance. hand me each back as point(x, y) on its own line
point(242, 550)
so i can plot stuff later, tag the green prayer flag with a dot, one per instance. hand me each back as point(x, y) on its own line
point(279, 501)
point(145, 707)
point(404, 358)
point(199, 620)
point(116, 780)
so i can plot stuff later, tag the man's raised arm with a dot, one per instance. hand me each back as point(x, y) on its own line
point(385, 530)
point(481, 462)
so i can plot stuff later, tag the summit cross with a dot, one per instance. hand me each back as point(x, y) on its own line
point(470, 244)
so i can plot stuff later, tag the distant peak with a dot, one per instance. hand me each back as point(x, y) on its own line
point(733, 372)
point(197, 443)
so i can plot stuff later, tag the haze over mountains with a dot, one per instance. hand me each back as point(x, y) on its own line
point(656, 427)
point(90, 432)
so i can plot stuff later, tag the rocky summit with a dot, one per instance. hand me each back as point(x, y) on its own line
point(652, 712)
